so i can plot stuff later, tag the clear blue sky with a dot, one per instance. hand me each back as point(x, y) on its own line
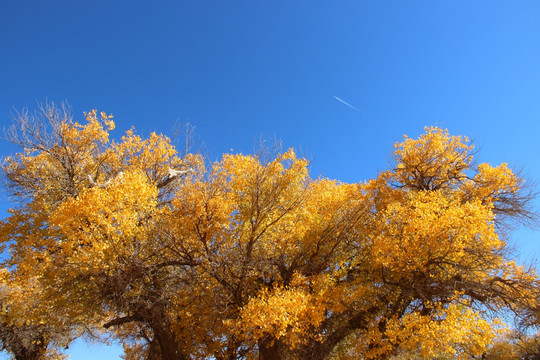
point(240, 69)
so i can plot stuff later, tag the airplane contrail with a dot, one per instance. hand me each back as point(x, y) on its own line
point(349, 105)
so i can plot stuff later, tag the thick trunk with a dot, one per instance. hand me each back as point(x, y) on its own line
point(169, 346)
point(271, 349)
point(154, 352)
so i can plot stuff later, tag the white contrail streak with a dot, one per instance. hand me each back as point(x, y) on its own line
point(349, 105)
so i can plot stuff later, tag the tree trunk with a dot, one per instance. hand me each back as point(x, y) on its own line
point(271, 349)
point(154, 352)
point(169, 347)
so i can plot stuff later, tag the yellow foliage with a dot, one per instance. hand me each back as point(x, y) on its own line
point(433, 161)
point(255, 258)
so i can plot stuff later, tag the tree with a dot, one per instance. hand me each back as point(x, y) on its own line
point(380, 265)
point(88, 218)
point(252, 258)
point(29, 330)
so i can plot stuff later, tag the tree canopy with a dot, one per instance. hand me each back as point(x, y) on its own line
point(250, 257)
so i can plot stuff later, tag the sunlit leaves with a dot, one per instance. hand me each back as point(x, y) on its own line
point(251, 257)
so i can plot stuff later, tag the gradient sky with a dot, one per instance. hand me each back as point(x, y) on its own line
point(240, 69)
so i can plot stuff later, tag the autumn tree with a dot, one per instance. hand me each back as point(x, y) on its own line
point(436, 256)
point(252, 258)
point(88, 220)
point(409, 261)
point(29, 328)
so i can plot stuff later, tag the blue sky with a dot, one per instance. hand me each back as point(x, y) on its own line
point(239, 69)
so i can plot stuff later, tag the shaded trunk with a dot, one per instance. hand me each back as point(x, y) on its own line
point(271, 349)
point(169, 346)
point(163, 344)
point(154, 352)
